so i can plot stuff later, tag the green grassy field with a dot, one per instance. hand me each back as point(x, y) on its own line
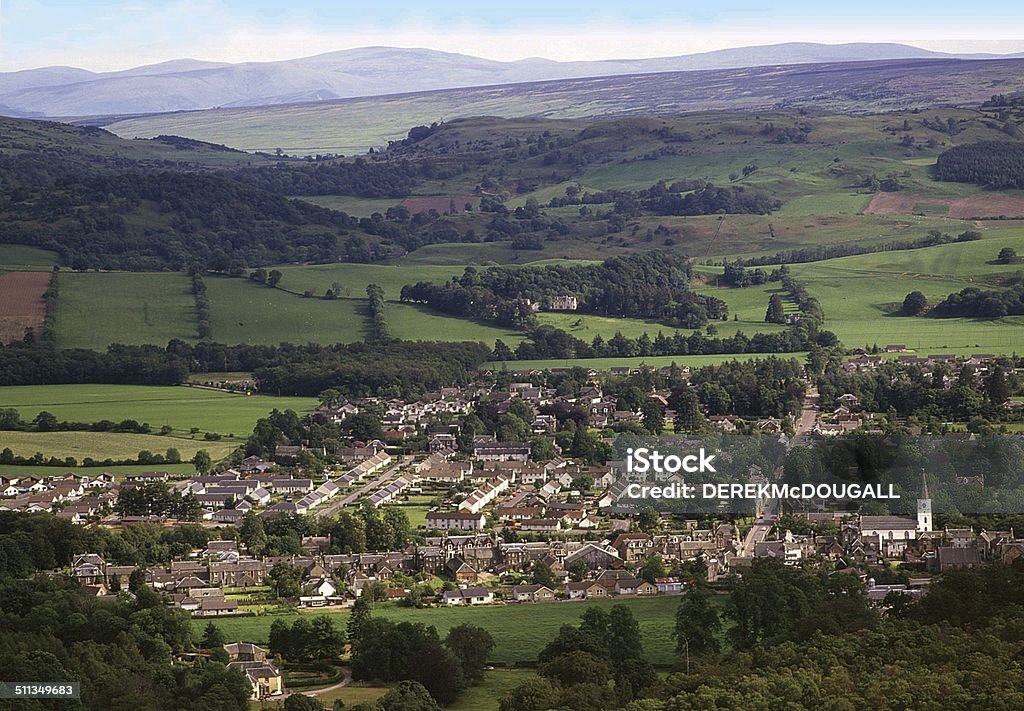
point(354, 278)
point(20, 257)
point(418, 323)
point(117, 471)
point(586, 326)
point(97, 309)
point(519, 631)
point(859, 293)
point(113, 445)
point(653, 361)
point(487, 253)
point(242, 311)
point(179, 407)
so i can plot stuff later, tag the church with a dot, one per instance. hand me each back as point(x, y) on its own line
point(894, 533)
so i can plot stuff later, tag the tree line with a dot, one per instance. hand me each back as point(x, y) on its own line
point(819, 253)
point(378, 330)
point(973, 302)
point(546, 342)
point(357, 369)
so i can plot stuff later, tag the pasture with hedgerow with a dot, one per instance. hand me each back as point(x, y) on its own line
point(853, 201)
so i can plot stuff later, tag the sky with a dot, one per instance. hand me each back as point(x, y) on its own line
point(105, 35)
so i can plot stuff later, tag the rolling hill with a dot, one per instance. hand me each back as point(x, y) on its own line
point(369, 71)
point(353, 125)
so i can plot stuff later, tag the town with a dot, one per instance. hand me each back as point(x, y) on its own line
point(499, 520)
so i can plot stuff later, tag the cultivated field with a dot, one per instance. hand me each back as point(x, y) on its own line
point(95, 309)
point(242, 311)
point(181, 408)
point(859, 295)
point(981, 206)
point(451, 204)
point(22, 303)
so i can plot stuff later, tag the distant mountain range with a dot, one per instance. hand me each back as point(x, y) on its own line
point(189, 84)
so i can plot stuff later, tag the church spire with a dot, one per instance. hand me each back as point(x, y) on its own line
point(924, 507)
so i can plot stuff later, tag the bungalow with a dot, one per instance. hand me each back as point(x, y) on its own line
point(586, 590)
point(646, 588)
point(532, 593)
point(215, 607)
point(626, 586)
point(467, 596)
point(668, 586)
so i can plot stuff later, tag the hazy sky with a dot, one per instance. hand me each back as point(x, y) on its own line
point(105, 35)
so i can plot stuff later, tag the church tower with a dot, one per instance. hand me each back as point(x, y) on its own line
point(924, 507)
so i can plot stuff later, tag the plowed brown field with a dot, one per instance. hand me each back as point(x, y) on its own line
point(22, 303)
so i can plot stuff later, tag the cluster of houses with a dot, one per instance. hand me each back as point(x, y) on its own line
point(861, 362)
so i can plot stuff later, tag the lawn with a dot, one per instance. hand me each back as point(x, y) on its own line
point(95, 309)
point(634, 362)
point(415, 512)
point(104, 445)
point(519, 631)
point(488, 694)
point(180, 407)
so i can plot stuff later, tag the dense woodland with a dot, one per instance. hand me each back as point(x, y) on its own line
point(652, 285)
point(361, 177)
point(994, 164)
point(92, 217)
point(683, 198)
